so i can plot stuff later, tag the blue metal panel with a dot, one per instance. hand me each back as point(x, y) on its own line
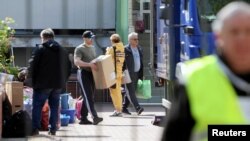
point(200, 42)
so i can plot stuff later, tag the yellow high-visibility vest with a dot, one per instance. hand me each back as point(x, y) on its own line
point(211, 95)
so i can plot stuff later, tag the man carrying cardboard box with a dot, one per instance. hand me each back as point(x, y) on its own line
point(83, 55)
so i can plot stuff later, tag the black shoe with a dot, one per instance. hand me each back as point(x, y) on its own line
point(85, 122)
point(35, 132)
point(53, 133)
point(139, 110)
point(96, 120)
point(125, 111)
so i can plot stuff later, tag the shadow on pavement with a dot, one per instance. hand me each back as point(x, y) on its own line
point(139, 117)
point(120, 125)
point(85, 136)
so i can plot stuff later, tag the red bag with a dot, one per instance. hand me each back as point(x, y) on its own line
point(79, 107)
point(45, 117)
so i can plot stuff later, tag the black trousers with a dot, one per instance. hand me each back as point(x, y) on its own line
point(129, 96)
point(88, 91)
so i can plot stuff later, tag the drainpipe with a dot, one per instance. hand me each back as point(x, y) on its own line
point(130, 17)
point(174, 42)
point(122, 19)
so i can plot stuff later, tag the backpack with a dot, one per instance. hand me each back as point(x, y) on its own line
point(6, 109)
point(19, 125)
point(123, 67)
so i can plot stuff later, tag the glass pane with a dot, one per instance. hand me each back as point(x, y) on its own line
point(146, 6)
point(186, 4)
point(208, 9)
point(146, 19)
point(216, 5)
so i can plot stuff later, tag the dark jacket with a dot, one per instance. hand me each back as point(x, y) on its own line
point(129, 59)
point(49, 66)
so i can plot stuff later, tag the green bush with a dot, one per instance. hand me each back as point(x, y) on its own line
point(6, 35)
point(218, 4)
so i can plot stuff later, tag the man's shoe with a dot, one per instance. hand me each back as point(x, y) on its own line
point(53, 133)
point(139, 110)
point(116, 114)
point(125, 111)
point(85, 122)
point(35, 132)
point(96, 120)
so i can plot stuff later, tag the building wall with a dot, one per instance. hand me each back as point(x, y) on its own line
point(23, 53)
point(60, 14)
point(64, 15)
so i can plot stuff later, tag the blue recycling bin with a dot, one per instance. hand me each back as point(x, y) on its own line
point(70, 113)
point(64, 120)
point(64, 101)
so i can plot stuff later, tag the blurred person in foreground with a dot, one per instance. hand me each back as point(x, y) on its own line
point(215, 89)
point(118, 56)
point(49, 70)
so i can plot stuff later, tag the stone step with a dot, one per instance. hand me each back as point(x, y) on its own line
point(151, 100)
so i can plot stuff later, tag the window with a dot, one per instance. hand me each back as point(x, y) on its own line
point(186, 4)
point(146, 19)
point(145, 13)
point(146, 6)
point(207, 10)
point(206, 15)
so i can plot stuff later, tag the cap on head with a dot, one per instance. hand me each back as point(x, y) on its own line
point(88, 34)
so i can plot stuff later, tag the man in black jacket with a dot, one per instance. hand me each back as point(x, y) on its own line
point(133, 59)
point(49, 70)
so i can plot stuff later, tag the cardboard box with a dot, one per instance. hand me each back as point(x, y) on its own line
point(104, 77)
point(14, 91)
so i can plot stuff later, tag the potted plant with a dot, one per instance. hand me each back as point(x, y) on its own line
point(6, 54)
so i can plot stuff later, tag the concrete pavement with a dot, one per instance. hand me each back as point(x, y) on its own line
point(126, 128)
